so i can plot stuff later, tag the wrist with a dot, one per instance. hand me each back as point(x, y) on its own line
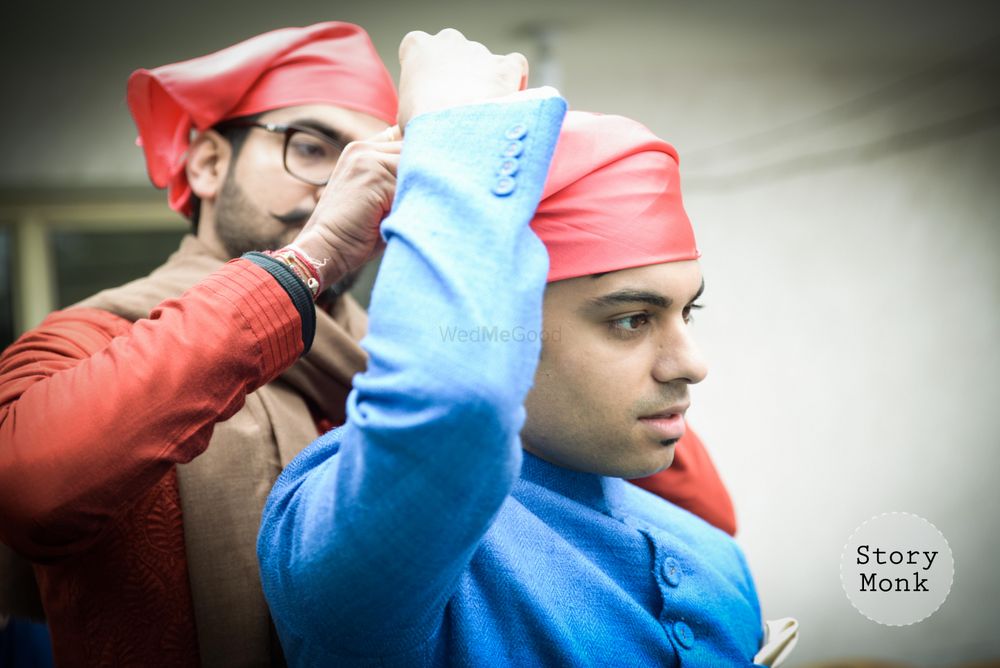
point(300, 266)
point(324, 260)
point(298, 291)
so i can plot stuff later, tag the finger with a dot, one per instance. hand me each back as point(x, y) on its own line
point(409, 40)
point(369, 161)
point(512, 70)
point(390, 162)
point(376, 146)
point(390, 147)
point(451, 33)
point(456, 39)
point(521, 65)
point(391, 133)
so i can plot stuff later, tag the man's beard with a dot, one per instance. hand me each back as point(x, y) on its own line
point(242, 227)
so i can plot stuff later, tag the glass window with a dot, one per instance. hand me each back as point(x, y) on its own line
point(6, 289)
point(88, 261)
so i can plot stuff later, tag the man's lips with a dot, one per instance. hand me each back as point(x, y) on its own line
point(670, 411)
point(668, 424)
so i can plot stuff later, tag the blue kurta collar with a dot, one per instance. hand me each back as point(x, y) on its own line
point(601, 493)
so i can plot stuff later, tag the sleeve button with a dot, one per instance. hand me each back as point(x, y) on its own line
point(513, 149)
point(517, 131)
point(508, 167)
point(504, 186)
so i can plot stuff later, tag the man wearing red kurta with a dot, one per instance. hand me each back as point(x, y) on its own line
point(141, 430)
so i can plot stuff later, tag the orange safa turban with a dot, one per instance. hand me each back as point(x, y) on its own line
point(612, 199)
point(327, 63)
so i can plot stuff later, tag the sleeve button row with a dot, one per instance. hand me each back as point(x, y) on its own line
point(509, 164)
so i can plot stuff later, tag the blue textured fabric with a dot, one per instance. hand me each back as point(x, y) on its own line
point(420, 533)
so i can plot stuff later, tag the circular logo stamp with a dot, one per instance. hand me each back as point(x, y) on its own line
point(897, 569)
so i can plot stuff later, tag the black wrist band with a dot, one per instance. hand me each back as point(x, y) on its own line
point(296, 289)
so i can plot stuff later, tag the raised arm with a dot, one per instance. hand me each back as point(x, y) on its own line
point(95, 409)
point(366, 533)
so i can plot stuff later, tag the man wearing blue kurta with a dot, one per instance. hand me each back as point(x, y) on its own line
point(445, 524)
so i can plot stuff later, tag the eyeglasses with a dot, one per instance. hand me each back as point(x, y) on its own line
point(308, 154)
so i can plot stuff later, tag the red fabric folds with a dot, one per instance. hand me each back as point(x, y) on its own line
point(612, 199)
point(327, 63)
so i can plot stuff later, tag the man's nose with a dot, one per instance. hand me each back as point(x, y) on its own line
point(678, 357)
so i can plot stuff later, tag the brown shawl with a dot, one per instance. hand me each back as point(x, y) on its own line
point(224, 489)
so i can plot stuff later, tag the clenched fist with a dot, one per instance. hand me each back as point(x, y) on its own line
point(447, 70)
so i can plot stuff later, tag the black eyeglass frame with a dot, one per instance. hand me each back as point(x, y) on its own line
point(288, 131)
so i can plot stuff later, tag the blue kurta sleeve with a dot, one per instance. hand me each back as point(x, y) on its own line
point(365, 534)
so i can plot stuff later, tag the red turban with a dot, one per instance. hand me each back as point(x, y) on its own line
point(327, 63)
point(612, 199)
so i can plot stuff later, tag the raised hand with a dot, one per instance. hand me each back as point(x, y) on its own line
point(343, 231)
point(448, 70)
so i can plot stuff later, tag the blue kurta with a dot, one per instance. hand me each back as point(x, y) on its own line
point(420, 533)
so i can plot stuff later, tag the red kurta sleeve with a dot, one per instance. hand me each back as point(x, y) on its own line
point(94, 410)
point(693, 483)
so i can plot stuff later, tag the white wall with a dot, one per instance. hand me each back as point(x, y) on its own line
point(853, 281)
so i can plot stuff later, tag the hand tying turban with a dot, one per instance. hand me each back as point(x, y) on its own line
point(327, 63)
point(612, 200)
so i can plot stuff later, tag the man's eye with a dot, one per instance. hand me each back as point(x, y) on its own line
point(688, 315)
point(306, 148)
point(628, 325)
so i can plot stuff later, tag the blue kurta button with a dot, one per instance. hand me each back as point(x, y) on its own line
point(508, 167)
point(516, 131)
point(504, 186)
point(513, 149)
point(684, 635)
point(672, 571)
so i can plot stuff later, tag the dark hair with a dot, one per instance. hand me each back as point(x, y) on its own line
point(236, 135)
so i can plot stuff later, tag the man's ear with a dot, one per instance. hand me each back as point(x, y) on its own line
point(208, 162)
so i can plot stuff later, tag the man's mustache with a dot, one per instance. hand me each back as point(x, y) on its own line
point(293, 217)
point(651, 406)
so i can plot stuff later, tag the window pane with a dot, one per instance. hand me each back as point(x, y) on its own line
point(6, 292)
point(87, 262)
